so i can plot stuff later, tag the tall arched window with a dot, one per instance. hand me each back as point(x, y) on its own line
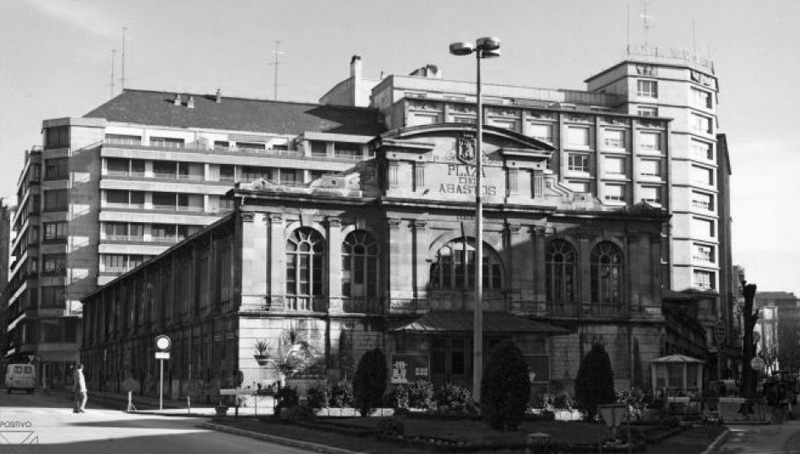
point(561, 265)
point(359, 265)
point(305, 256)
point(454, 267)
point(607, 265)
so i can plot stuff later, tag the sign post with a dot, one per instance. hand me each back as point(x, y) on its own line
point(163, 342)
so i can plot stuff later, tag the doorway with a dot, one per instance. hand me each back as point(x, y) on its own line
point(451, 361)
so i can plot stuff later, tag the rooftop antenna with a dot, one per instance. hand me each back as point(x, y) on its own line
point(276, 64)
point(628, 43)
point(122, 80)
point(113, 62)
point(646, 19)
point(694, 37)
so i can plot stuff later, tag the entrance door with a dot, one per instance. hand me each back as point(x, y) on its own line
point(450, 361)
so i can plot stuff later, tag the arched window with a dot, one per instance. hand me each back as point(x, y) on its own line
point(561, 265)
point(454, 267)
point(606, 273)
point(305, 256)
point(359, 264)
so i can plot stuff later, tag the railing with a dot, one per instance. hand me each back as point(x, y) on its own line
point(591, 310)
point(362, 305)
point(306, 303)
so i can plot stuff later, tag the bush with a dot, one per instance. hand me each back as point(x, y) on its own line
point(317, 396)
point(451, 395)
point(420, 394)
point(390, 428)
point(563, 402)
point(286, 397)
point(369, 381)
point(398, 397)
point(297, 413)
point(505, 388)
point(342, 395)
point(594, 384)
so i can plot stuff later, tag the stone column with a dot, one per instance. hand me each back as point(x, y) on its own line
point(335, 265)
point(539, 273)
point(277, 261)
point(421, 263)
point(519, 271)
point(400, 273)
point(584, 268)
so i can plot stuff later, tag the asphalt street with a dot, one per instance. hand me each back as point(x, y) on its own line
point(45, 424)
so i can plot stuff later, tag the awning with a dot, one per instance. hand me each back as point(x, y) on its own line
point(677, 358)
point(442, 322)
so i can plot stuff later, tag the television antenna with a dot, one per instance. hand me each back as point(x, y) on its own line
point(276, 63)
point(113, 62)
point(646, 20)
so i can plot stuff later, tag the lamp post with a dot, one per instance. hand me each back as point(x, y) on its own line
point(483, 48)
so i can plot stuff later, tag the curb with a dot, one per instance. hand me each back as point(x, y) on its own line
point(721, 438)
point(280, 440)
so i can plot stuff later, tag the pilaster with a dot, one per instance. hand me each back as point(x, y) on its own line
point(335, 264)
point(421, 263)
point(277, 259)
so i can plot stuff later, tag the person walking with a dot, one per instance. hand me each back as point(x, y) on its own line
point(80, 390)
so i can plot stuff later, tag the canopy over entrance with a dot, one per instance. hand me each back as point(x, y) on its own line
point(452, 322)
point(677, 374)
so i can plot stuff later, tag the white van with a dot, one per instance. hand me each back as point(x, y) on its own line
point(20, 376)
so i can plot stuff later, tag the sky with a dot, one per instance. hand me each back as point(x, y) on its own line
point(56, 61)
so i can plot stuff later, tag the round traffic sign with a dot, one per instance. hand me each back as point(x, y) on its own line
point(130, 385)
point(757, 363)
point(163, 342)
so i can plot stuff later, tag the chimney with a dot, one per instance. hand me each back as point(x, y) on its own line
point(219, 96)
point(355, 67)
point(190, 102)
point(177, 100)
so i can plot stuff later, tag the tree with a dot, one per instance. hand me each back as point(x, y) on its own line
point(369, 382)
point(594, 384)
point(505, 388)
point(748, 346)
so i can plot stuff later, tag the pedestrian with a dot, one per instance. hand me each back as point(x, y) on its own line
point(80, 390)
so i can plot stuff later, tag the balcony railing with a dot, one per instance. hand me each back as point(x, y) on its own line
point(306, 303)
point(362, 305)
point(587, 310)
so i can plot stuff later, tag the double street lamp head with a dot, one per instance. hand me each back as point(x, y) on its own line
point(487, 47)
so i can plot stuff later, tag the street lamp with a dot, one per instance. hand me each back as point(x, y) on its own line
point(483, 48)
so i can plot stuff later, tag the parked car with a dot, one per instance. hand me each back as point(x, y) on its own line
point(20, 376)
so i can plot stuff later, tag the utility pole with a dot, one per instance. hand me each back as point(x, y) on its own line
point(748, 346)
point(276, 63)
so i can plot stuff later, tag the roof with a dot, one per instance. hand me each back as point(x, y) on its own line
point(676, 358)
point(241, 114)
point(493, 322)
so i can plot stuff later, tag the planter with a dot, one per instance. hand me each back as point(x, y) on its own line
point(262, 360)
point(221, 410)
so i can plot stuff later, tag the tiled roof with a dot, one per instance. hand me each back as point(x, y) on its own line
point(240, 114)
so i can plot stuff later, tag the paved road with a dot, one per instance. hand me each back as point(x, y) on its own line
point(771, 439)
point(49, 420)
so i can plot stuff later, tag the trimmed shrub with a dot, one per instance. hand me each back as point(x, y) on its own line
point(505, 388)
point(297, 413)
point(594, 384)
point(420, 394)
point(285, 398)
point(398, 397)
point(451, 395)
point(342, 395)
point(390, 428)
point(369, 382)
point(317, 396)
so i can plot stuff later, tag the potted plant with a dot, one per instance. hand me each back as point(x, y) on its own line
point(261, 356)
point(221, 409)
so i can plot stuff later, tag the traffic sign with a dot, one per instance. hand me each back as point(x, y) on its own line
point(757, 363)
point(163, 342)
point(130, 385)
point(162, 355)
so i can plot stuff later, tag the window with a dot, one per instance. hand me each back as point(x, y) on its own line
point(615, 192)
point(251, 146)
point(160, 232)
point(702, 175)
point(165, 169)
point(305, 257)
point(650, 167)
point(578, 162)
point(288, 177)
point(704, 279)
point(702, 201)
point(56, 169)
point(578, 137)
point(55, 231)
point(614, 166)
point(701, 98)
point(163, 201)
point(166, 142)
point(651, 194)
point(116, 263)
point(118, 167)
point(702, 151)
point(700, 123)
point(319, 149)
point(123, 139)
point(347, 150)
point(360, 265)
point(54, 264)
point(53, 298)
point(254, 173)
point(647, 111)
point(703, 253)
point(454, 267)
point(606, 273)
point(561, 263)
point(541, 132)
point(55, 200)
point(221, 144)
point(57, 137)
point(123, 231)
point(226, 173)
point(703, 228)
point(614, 138)
point(650, 141)
point(647, 88)
point(578, 186)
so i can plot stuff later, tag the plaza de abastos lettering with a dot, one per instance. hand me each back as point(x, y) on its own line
point(465, 178)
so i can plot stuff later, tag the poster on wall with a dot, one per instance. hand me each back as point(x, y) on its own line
point(409, 368)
